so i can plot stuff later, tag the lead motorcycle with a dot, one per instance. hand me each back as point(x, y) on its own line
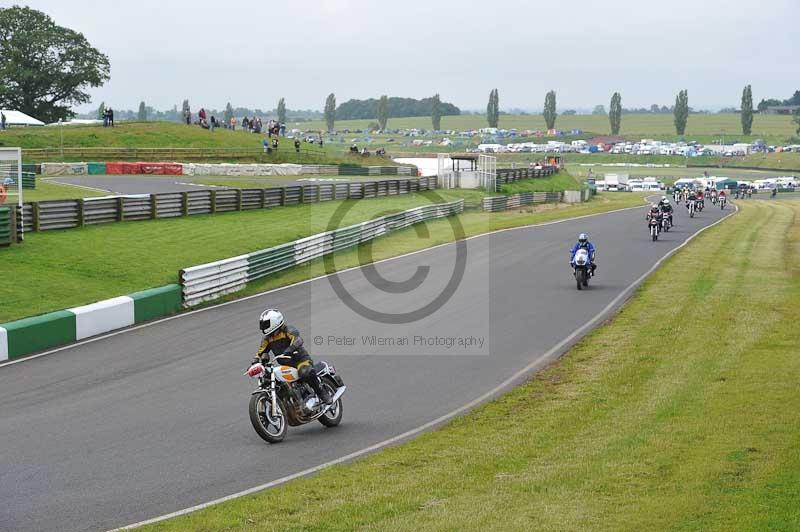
point(282, 399)
point(582, 268)
point(655, 227)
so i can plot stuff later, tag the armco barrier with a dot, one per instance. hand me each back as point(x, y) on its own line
point(210, 281)
point(509, 175)
point(502, 203)
point(29, 335)
point(66, 214)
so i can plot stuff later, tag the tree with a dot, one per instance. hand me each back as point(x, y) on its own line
point(681, 111)
point(599, 110)
point(615, 113)
point(493, 108)
point(228, 113)
point(436, 112)
point(330, 111)
point(44, 68)
point(550, 109)
point(141, 116)
point(382, 112)
point(282, 110)
point(796, 118)
point(101, 111)
point(747, 110)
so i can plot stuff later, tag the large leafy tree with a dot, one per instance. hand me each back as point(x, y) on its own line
point(747, 110)
point(382, 112)
point(45, 68)
point(615, 113)
point(282, 111)
point(549, 112)
point(436, 112)
point(330, 111)
point(681, 111)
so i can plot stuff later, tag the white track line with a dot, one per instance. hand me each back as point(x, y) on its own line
point(558, 349)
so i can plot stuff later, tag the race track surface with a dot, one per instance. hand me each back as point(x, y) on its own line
point(138, 184)
point(154, 420)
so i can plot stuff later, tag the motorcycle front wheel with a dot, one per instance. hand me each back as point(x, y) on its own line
point(271, 429)
point(580, 278)
point(333, 416)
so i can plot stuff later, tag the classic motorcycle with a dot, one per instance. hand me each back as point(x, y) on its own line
point(654, 228)
point(582, 266)
point(666, 221)
point(282, 399)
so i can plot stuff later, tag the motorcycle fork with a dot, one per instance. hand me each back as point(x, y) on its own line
point(274, 395)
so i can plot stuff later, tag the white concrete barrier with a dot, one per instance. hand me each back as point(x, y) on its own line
point(104, 316)
point(3, 345)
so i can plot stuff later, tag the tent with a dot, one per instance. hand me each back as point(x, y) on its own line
point(15, 118)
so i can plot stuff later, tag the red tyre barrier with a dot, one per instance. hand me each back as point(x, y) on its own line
point(173, 168)
point(152, 168)
point(131, 168)
point(114, 168)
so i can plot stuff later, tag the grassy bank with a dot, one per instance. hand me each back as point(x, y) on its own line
point(48, 190)
point(681, 413)
point(120, 258)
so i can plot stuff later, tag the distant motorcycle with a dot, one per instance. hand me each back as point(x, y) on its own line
point(655, 227)
point(666, 221)
point(582, 266)
point(282, 399)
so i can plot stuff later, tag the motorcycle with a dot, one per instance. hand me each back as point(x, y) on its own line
point(582, 268)
point(282, 399)
point(666, 221)
point(654, 225)
point(722, 202)
point(691, 207)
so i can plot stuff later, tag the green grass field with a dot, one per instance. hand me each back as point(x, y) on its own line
point(120, 258)
point(641, 125)
point(48, 190)
point(681, 413)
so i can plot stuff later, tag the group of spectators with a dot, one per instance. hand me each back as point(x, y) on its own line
point(108, 117)
point(252, 125)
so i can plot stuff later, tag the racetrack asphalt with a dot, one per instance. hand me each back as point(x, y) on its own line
point(130, 184)
point(154, 419)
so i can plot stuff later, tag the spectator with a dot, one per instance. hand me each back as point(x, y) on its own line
point(275, 143)
point(245, 124)
point(110, 112)
point(296, 145)
point(105, 117)
point(233, 123)
point(320, 141)
point(213, 123)
point(2, 120)
point(267, 147)
point(187, 116)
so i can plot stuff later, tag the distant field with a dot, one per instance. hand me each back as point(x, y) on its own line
point(646, 125)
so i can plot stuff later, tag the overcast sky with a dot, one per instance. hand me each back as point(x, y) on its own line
point(253, 52)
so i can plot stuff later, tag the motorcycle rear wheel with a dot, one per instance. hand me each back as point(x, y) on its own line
point(271, 430)
point(333, 416)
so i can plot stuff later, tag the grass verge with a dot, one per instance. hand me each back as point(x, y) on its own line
point(48, 190)
point(681, 413)
point(115, 259)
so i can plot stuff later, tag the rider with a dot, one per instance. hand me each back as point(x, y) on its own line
point(654, 212)
point(583, 242)
point(700, 198)
point(284, 339)
point(666, 208)
point(692, 197)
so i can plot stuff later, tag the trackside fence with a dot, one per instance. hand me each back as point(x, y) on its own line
point(72, 213)
point(509, 175)
point(213, 280)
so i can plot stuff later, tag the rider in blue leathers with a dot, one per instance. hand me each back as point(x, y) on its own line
point(583, 242)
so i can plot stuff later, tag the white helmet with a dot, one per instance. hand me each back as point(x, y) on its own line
point(270, 321)
point(583, 238)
